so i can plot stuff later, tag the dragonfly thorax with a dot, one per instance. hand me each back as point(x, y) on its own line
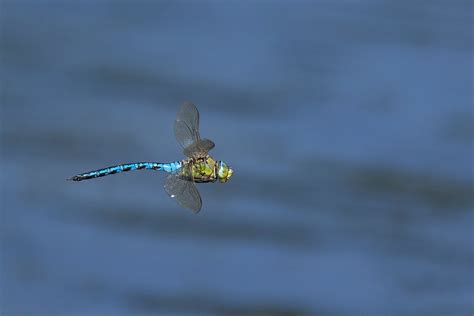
point(206, 169)
point(201, 170)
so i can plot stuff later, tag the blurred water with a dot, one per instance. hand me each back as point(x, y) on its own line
point(349, 126)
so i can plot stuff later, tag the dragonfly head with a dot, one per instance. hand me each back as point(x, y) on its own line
point(224, 172)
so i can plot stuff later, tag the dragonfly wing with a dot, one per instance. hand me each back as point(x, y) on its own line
point(206, 144)
point(185, 192)
point(186, 126)
point(201, 146)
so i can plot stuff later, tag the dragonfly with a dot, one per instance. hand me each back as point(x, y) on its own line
point(182, 175)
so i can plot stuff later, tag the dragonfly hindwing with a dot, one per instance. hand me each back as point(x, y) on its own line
point(201, 147)
point(184, 191)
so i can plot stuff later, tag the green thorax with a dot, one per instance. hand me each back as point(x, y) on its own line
point(203, 169)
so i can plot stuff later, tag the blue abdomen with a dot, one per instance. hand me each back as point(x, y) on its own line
point(168, 167)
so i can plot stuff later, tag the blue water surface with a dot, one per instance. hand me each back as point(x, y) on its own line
point(349, 125)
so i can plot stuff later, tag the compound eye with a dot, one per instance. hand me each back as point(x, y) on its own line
point(223, 170)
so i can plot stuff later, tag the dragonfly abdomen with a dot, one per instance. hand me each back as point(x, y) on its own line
point(168, 167)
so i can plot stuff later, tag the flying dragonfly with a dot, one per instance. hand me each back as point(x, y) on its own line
point(182, 176)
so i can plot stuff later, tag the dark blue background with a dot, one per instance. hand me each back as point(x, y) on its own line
point(349, 126)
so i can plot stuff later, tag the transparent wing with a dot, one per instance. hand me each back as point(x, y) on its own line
point(185, 192)
point(186, 126)
point(200, 147)
point(186, 130)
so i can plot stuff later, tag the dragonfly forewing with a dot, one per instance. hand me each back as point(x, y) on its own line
point(186, 126)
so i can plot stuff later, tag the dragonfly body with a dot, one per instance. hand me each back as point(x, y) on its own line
point(198, 167)
point(199, 170)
